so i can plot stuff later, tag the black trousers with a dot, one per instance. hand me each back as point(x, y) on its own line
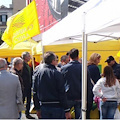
point(27, 96)
point(89, 107)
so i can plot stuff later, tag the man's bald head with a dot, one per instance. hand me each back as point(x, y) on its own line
point(3, 63)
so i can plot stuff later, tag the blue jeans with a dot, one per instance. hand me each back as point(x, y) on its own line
point(108, 109)
point(100, 104)
point(52, 112)
point(20, 114)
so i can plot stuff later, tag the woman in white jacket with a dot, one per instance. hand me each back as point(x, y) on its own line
point(110, 93)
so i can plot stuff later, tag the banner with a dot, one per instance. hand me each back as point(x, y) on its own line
point(22, 25)
point(50, 12)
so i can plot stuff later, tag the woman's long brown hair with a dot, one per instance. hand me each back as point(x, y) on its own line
point(110, 78)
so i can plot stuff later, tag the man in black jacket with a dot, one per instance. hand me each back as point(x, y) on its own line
point(115, 66)
point(72, 73)
point(27, 82)
point(49, 90)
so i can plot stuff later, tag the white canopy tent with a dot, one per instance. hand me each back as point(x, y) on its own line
point(97, 19)
point(100, 18)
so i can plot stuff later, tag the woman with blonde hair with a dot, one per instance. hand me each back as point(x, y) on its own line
point(93, 68)
point(110, 92)
point(94, 59)
point(94, 72)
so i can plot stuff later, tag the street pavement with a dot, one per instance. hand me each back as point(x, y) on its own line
point(33, 115)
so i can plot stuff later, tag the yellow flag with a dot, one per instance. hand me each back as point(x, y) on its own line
point(22, 25)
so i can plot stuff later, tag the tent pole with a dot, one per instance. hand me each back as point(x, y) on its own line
point(84, 76)
point(84, 70)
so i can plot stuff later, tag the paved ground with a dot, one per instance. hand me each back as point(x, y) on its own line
point(32, 112)
point(33, 115)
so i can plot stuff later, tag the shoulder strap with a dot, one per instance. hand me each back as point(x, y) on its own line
point(92, 82)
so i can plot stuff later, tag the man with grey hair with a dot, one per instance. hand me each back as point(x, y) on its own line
point(64, 60)
point(27, 81)
point(17, 65)
point(10, 93)
point(49, 90)
point(3, 63)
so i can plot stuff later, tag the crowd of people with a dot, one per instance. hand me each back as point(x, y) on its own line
point(57, 86)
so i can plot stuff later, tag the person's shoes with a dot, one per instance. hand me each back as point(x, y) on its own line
point(29, 117)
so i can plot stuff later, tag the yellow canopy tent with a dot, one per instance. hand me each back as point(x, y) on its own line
point(7, 51)
point(104, 48)
point(37, 50)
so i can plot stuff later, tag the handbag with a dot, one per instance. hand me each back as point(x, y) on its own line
point(96, 99)
point(117, 114)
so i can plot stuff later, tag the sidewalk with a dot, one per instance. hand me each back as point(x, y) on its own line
point(33, 115)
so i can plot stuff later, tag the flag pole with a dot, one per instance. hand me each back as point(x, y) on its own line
point(27, 2)
point(33, 65)
point(42, 51)
point(33, 79)
point(32, 106)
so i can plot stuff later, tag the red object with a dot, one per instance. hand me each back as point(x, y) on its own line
point(28, 2)
point(35, 64)
point(97, 101)
point(46, 19)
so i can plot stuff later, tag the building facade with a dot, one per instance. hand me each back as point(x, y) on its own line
point(4, 14)
point(18, 5)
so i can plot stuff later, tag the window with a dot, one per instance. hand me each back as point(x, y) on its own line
point(4, 18)
point(0, 18)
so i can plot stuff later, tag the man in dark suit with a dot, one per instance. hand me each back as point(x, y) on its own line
point(27, 81)
point(49, 91)
point(72, 73)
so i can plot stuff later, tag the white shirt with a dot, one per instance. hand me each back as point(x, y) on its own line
point(111, 93)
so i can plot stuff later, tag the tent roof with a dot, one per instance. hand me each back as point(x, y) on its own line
point(111, 45)
point(97, 18)
point(22, 45)
point(6, 50)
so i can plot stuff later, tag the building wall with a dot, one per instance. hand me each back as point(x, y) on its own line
point(18, 5)
point(4, 14)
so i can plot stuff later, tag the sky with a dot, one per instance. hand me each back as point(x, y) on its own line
point(5, 2)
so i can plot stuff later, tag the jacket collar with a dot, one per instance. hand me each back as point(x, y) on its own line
point(115, 65)
point(74, 62)
point(50, 66)
point(18, 71)
point(25, 63)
